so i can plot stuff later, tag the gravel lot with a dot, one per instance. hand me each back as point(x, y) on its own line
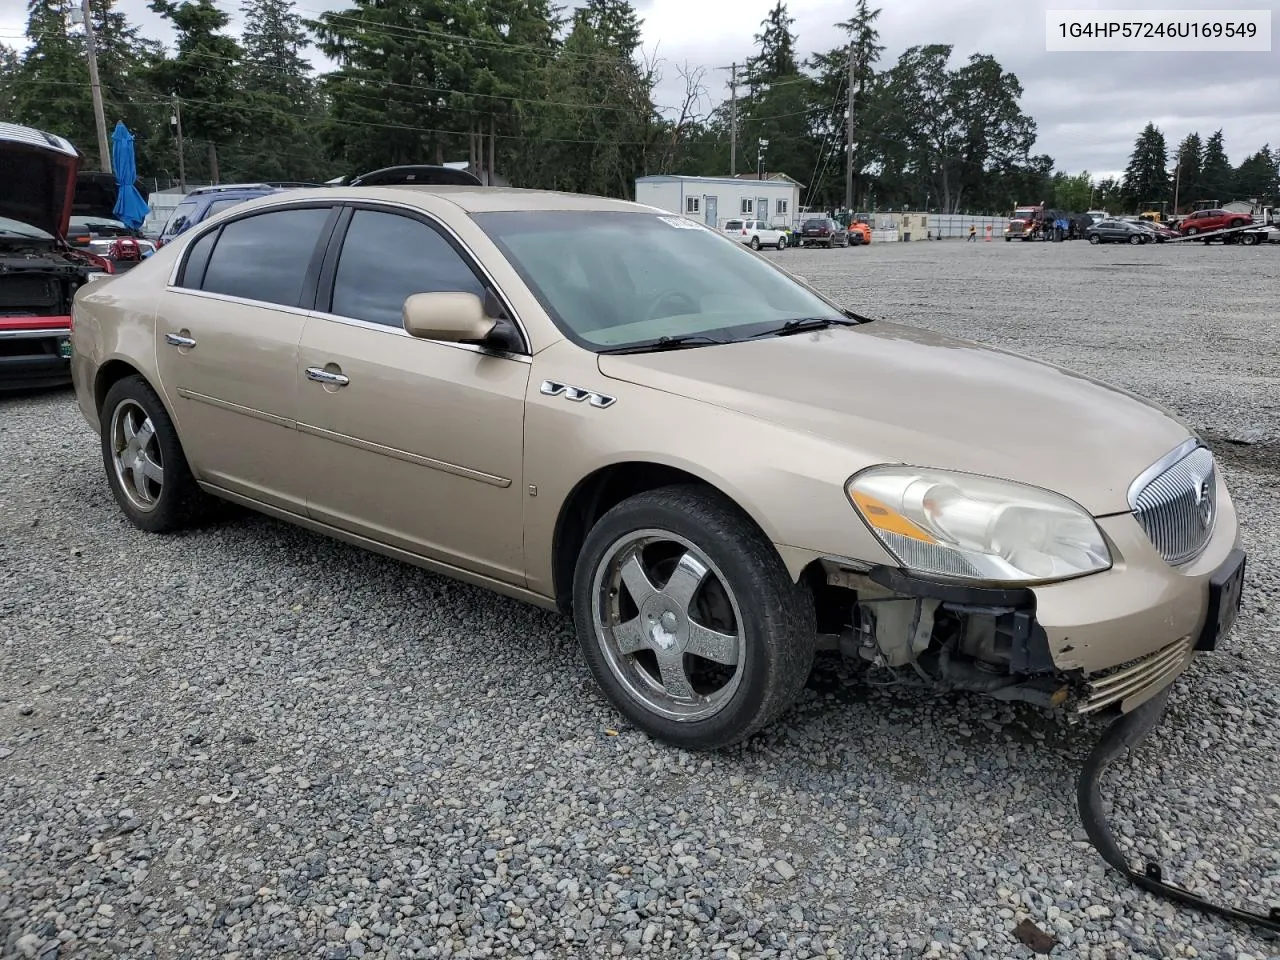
point(254, 742)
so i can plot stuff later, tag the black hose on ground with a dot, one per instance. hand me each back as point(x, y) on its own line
point(1125, 733)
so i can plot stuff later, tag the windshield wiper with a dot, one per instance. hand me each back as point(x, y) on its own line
point(804, 325)
point(666, 343)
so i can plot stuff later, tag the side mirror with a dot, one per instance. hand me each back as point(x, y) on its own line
point(451, 317)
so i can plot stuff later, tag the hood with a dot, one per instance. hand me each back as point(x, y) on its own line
point(37, 177)
point(893, 393)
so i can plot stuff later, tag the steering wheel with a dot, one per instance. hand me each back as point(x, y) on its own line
point(669, 294)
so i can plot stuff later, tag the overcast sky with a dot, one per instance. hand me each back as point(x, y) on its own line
point(1089, 106)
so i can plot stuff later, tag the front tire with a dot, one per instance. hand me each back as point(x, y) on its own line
point(689, 620)
point(1135, 239)
point(143, 458)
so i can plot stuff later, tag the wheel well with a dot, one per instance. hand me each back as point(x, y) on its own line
point(109, 374)
point(594, 496)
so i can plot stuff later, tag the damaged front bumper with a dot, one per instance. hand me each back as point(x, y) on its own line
point(957, 636)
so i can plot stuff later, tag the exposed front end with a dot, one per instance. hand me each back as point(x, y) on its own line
point(1099, 643)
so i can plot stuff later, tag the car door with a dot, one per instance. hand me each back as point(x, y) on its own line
point(227, 335)
point(416, 444)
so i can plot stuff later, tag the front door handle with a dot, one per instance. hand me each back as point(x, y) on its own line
point(178, 340)
point(324, 376)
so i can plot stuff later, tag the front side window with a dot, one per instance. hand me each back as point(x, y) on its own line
point(265, 256)
point(387, 257)
point(651, 276)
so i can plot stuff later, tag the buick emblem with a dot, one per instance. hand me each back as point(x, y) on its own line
point(1204, 504)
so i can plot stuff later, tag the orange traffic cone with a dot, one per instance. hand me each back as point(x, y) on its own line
point(987, 238)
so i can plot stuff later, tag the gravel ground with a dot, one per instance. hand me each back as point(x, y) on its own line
point(254, 742)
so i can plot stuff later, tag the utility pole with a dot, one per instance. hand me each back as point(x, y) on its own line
point(733, 117)
point(182, 165)
point(1177, 182)
point(848, 160)
point(95, 87)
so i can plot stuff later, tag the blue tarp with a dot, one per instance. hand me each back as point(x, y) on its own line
point(130, 208)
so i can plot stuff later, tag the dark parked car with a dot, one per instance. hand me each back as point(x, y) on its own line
point(823, 232)
point(1118, 231)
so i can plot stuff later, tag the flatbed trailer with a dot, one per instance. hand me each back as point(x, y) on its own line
point(1248, 235)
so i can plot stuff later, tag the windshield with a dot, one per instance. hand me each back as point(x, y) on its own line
point(16, 228)
point(616, 279)
point(1024, 213)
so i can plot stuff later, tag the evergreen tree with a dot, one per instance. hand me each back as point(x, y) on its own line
point(1146, 178)
point(831, 101)
point(1258, 177)
point(204, 76)
point(52, 80)
point(603, 107)
point(1190, 159)
point(777, 49)
point(1217, 175)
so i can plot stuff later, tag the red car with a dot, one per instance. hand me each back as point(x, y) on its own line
point(1203, 221)
point(39, 271)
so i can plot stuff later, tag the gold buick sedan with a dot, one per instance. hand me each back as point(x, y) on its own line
point(604, 409)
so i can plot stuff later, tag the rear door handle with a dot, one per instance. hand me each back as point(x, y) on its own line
point(324, 376)
point(178, 340)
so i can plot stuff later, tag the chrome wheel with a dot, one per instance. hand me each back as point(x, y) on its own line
point(668, 624)
point(135, 454)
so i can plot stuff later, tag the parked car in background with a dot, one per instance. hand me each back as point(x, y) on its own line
point(1118, 231)
point(1203, 221)
point(1155, 231)
point(756, 233)
point(823, 232)
point(39, 271)
point(201, 204)
point(101, 236)
point(754, 472)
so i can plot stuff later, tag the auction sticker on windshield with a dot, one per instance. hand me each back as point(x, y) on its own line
point(681, 223)
point(1167, 31)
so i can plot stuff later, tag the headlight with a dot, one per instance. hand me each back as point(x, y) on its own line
point(978, 528)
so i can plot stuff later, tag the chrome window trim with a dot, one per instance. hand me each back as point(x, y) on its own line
point(1184, 449)
point(357, 202)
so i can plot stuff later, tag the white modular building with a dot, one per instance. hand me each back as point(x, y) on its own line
point(714, 200)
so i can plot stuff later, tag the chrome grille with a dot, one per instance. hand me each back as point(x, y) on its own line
point(1177, 503)
point(1152, 671)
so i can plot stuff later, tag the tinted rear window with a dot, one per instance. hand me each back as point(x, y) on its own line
point(265, 257)
point(733, 225)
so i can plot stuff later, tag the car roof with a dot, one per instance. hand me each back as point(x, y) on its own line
point(469, 198)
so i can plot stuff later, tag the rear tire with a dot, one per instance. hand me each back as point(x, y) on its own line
point(680, 568)
point(1094, 239)
point(144, 462)
point(755, 243)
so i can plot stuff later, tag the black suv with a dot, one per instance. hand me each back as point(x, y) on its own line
point(823, 232)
